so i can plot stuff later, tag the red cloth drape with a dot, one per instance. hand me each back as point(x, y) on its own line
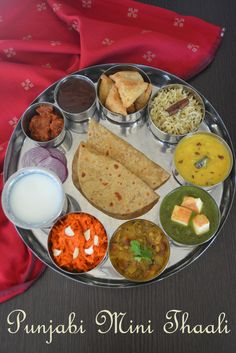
point(42, 41)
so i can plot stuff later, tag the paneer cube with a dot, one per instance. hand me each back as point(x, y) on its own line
point(194, 204)
point(181, 215)
point(201, 224)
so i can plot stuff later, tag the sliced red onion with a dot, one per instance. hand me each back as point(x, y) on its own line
point(55, 166)
point(49, 158)
point(57, 154)
point(34, 156)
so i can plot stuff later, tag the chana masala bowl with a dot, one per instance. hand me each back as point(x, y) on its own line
point(139, 250)
point(77, 243)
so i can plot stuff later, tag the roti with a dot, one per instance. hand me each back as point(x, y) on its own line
point(109, 186)
point(107, 143)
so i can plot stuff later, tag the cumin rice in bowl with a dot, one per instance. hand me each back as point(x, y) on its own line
point(175, 111)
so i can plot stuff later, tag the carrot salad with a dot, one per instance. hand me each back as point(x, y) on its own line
point(78, 242)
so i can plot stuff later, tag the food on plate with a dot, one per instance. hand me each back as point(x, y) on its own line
point(126, 75)
point(131, 109)
point(142, 100)
point(181, 215)
point(105, 86)
point(124, 92)
point(203, 222)
point(105, 142)
point(49, 158)
point(77, 242)
point(139, 250)
point(176, 110)
point(46, 125)
point(192, 203)
point(109, 186)
point(114, 176)
point(113, 101)
point(33, 198)
point(203, 159)
point(76, 94)
point(130, 90)
point(55, 153)
point(56, 166)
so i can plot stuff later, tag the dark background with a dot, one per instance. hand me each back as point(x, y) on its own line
point(204, 289)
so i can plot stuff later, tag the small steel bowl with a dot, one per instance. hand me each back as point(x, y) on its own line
point(177, 175)
point(163, 267)
point(9, 186)
point(197, 192)
point(168, 137)
point(118, 118)
point(64, 269)
point(28, 115)
point(78, 116)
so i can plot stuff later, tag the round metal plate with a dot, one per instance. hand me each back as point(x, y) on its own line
point(141, 137)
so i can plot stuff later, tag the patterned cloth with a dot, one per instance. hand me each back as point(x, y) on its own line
point(42, 41)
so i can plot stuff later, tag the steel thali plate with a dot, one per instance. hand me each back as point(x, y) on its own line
point(140, 136)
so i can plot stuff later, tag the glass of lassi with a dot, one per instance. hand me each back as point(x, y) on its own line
point(33, 198)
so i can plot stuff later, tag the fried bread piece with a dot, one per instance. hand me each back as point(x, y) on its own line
point(104, 88)
point(114, 103)
point(130, 90)
point(142, 100)
point(126, 75)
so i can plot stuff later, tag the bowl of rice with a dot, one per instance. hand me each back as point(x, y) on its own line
point(175, 111)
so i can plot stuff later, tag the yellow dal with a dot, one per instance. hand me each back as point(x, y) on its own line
point(194, 148)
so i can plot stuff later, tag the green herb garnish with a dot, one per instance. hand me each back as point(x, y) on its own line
point(140, 253)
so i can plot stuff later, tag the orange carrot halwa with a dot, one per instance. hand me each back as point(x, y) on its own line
point(78, 242)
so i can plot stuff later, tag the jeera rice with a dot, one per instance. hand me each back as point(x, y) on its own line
point(184, 121)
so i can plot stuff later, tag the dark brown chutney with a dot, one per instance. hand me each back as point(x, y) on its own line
point(76, 95)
